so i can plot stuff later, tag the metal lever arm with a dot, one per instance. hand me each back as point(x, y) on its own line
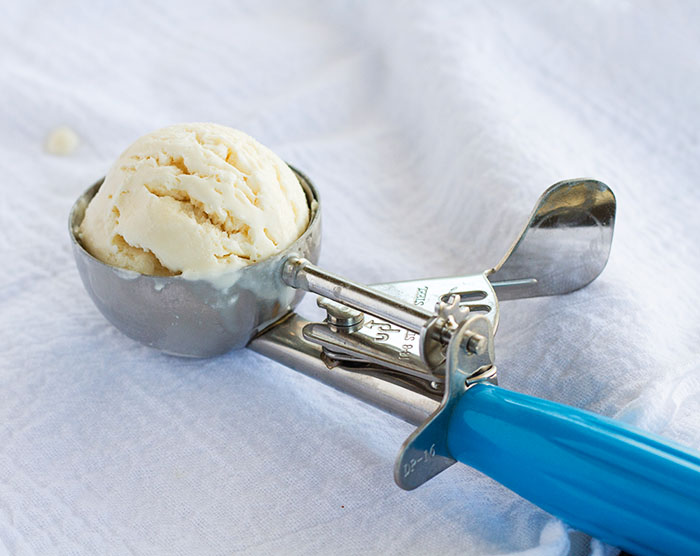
point(633, 490)
point(302, 274)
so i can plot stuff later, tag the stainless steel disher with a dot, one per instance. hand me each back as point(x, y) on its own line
point(422, 350)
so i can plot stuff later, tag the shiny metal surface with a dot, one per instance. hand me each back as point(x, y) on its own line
point(379, 342)
point(476, 293)
point(436, 333)
point(374, 357)
point(570, 230)
point(339, 316)
point(424, 454)
point(565, 244)
point(300, 273)
point(393, 394)
point(359, 347)
point(194, 318)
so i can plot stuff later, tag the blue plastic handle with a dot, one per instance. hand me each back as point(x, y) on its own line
point(631, 489)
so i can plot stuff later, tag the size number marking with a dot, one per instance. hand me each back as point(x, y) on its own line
point(407, 347)
point(411, 465)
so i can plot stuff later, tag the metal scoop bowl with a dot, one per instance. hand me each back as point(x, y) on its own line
point(423, 350)
point(195, 318)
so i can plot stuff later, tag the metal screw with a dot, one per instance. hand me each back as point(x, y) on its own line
point(341, 316)
point(476, 344)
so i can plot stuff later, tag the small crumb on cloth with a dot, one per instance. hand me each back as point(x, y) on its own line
point(62, 141)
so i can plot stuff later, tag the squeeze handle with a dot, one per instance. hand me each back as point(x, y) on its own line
point(631, 489)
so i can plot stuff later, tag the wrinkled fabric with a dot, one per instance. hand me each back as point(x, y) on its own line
point(430, 129)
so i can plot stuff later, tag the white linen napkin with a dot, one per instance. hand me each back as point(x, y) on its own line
point(430, 129)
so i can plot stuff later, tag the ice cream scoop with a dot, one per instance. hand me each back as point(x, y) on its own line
point(196, 200)
point(384, 346)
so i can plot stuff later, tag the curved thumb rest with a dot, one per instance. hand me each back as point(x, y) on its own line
point(565, 244)
point(628, 488)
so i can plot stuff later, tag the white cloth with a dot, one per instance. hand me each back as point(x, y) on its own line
point(430, 129)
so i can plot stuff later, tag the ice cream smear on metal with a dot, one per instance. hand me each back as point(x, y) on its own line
point(194, 200)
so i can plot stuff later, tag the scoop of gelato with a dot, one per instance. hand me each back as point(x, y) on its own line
point(194, 200)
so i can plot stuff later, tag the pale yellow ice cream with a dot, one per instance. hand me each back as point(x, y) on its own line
point(197, 200)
